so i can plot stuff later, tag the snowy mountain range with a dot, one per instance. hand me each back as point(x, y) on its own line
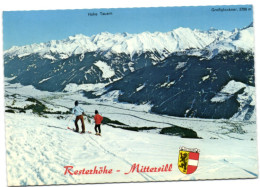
point(180, 73)
point(179, 39)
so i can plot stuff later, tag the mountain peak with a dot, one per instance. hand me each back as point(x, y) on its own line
point(212, 29)
point(250, 25)
point(182, 29)
point(76, 37)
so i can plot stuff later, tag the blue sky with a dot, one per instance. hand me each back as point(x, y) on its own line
point(27, 27)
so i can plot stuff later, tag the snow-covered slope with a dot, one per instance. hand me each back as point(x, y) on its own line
point(39, 145)
point(246, 99)
point(239, 40)
point(176, 40)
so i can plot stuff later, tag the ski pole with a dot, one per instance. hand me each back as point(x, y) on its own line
point(69, 120)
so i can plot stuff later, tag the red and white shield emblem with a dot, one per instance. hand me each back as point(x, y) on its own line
point(188, 160)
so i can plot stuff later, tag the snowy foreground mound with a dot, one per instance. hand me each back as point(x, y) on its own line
point(39, 145)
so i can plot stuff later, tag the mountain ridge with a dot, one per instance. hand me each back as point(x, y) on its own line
point(148, 71)
point(179, 39)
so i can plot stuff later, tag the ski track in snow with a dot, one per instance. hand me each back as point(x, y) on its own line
point(251, 173)
point(145, 176)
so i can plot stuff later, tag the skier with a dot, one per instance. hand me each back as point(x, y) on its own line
point(79, 112)
point(98, 119)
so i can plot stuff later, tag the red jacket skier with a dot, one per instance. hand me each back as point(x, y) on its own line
point(98, 119)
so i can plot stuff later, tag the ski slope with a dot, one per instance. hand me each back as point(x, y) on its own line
point(40, 146)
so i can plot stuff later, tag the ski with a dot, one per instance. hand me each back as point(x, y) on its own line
point(71, 129)
point(89, 132)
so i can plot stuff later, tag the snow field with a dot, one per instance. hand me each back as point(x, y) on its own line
point(38, 147)
point(37, 153)
point(107, 72)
